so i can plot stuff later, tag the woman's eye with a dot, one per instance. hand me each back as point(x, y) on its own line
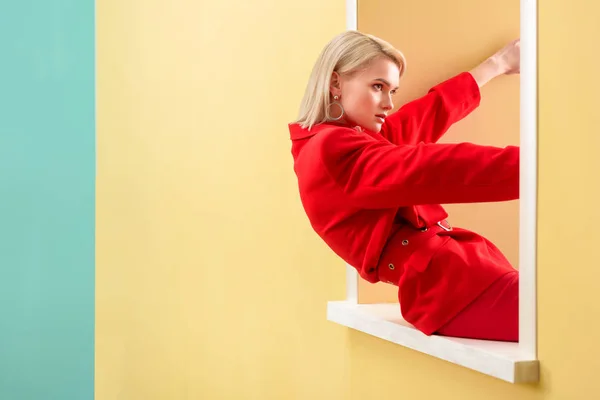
point(378, 86)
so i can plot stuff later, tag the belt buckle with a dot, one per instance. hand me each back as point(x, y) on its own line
point(447, 229)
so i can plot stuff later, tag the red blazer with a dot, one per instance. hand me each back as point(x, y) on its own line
point(360, 190)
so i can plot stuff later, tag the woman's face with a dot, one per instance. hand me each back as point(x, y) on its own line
point(367, 95)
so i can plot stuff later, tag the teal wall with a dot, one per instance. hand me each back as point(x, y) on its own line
point(47, 196)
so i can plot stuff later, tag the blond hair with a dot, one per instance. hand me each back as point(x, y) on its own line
point(346, 54)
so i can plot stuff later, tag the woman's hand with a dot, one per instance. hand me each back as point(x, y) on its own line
point(506, 61)
point(509, 58)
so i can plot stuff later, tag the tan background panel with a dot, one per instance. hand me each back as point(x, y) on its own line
point(441, 39)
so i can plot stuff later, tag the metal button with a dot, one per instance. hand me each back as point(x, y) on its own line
point(404, 242)
point(391, 266)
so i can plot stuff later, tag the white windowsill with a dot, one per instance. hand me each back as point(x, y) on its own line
point(502, 360)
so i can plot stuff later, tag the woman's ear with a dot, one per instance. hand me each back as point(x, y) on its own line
point(335, 87)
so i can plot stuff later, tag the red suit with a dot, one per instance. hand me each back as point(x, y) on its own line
point(375, 198)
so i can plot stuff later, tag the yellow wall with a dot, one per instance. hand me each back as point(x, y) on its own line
point(436, 51)
point(210, 283)
point(569, 195)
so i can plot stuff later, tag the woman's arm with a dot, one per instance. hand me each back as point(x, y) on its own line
point(426, 119)
point(377, 174)
point(429, 117)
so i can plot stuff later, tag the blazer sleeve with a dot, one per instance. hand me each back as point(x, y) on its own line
point(378, 174)
point(426, 119)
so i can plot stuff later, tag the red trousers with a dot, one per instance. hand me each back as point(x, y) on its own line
point(494, 315)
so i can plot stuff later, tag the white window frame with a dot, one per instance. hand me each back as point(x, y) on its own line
point(512, 362)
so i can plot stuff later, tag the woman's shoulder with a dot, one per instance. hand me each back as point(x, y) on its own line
point(297, 131)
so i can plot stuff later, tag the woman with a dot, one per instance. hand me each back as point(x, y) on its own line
point(372, 181)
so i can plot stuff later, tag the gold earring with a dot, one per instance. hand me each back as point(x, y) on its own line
point(337, 103)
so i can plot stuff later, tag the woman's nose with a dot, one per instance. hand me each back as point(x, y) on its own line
point(387, 104)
